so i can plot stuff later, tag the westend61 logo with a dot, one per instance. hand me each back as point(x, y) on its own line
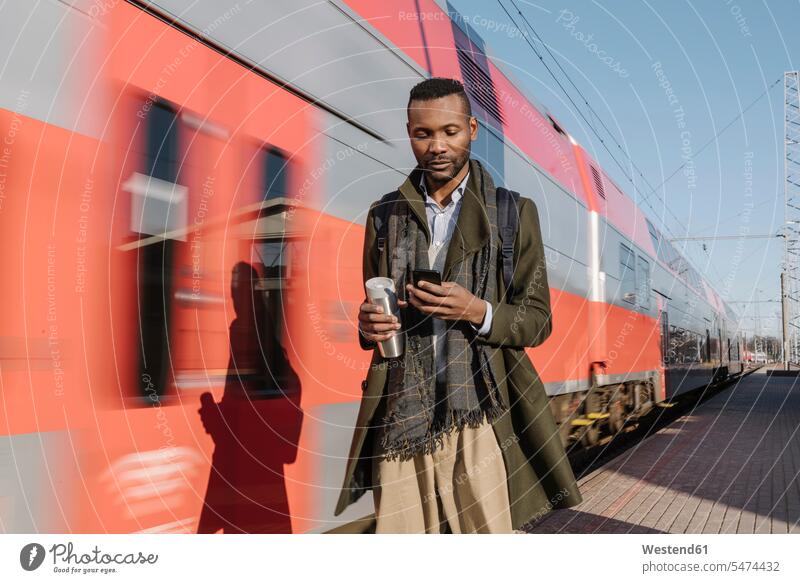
point(65, 560)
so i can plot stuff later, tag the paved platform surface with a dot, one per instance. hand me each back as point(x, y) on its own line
point(730, 466)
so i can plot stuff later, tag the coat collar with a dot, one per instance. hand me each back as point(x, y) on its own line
point(472, 226)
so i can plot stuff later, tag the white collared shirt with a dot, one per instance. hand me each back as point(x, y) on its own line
point(442, 224)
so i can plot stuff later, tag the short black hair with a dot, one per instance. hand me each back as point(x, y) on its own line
point(437, 87)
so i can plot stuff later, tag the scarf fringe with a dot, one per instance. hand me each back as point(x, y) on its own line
point(405, 449)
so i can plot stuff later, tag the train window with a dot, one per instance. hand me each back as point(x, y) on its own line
point(274, 256)
point(151, 207)
point(155, 281)
point(655, 237)
point(275, 173)
point(162, 142)
point(684, 346)
point(670, 257)
point(627, 274)
point(271, 372)
point(643, 280)
point(706, 348)
point(694, 278)
point(664, 251)
point(715, 345)
point(159, 205)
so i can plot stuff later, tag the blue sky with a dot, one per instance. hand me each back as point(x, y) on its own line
point(717, 57)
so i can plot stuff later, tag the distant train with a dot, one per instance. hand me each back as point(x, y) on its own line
point(182, 201)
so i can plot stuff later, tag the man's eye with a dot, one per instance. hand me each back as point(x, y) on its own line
point(451, 133)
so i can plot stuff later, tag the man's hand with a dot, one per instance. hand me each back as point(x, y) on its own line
point(375, 325)
point(448, 301)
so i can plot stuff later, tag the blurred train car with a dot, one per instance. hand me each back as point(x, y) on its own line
point(183, 188)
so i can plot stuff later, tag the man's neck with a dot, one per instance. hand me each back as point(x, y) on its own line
point(441, 192)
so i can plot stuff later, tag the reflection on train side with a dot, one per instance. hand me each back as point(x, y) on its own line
point(215, 269)
point(246, 491)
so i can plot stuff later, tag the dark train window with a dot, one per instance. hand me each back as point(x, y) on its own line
point(155, 264)
point(643, 281)
point(670, 257)
point(627, 274)
point(684, 346)
point(714, 346)
point(664, 249)
point(272, 261)
point(162, 142)
point(275, 174)
point(155, 259)
point(655, 237)
point(274, 257)
point(693, 278)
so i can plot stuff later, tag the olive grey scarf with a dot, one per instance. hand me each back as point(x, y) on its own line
point(420, 412)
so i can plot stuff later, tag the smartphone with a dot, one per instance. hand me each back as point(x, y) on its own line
point(430, 275)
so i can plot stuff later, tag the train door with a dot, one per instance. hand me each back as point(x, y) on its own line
point(664, 336)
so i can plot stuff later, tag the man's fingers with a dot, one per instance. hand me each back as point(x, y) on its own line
point(374, 318)
point(380, 328)
point(429, 298)
point(371, 308)
point(379, 337)
point(437, 290)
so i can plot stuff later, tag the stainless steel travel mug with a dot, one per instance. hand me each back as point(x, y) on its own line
point(381, 292)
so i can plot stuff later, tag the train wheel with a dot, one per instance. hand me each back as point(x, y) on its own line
point(591, 433)
point(616, 414)
point(564, 431)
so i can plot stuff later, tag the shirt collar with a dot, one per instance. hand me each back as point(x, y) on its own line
point(454, 197)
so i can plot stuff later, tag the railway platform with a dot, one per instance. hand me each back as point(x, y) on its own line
point(730, 465)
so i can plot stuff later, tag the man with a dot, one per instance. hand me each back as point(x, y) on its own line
point(455, 434)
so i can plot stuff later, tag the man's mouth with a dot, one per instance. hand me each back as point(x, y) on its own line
point(439, 164)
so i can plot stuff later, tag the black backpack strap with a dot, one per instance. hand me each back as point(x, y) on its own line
point(507, 227)
point(381, 217)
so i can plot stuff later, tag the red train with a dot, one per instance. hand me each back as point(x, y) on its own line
point(182, 199)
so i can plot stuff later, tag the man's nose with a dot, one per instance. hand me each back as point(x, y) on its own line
point(437, 147)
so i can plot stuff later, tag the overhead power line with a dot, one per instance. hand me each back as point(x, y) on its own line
point(653, 190)
point(715, 237)
point(720, 132)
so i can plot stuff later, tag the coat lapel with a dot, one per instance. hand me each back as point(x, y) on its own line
point(472, 226)
point(410, 190)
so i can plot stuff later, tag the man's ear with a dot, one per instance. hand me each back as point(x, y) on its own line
point(473, 128)
point(408, 128)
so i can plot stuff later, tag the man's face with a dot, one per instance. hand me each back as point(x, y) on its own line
point(441, 136)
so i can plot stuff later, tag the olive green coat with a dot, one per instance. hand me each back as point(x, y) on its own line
point(539, 475)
